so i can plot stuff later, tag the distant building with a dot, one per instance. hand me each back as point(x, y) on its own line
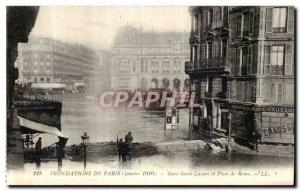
point(145, 60)
point(44, 60)
point(242, 68)
point(102, 79)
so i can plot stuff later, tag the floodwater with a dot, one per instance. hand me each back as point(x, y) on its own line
point(82, 113)
point(181, 160)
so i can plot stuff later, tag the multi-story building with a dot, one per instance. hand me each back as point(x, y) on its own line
point(103, 76)
point(241, 67)
point(44, 60)
point(145, 60)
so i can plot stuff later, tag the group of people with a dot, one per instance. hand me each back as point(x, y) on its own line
point(125, 147)
point(38, 152)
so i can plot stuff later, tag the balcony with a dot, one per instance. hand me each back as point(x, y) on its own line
point(210, 66)
point(276, 70)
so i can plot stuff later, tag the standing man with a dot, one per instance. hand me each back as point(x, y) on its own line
point(128, 143)
point(60, 153)
point(120, 146)
point(38, 152)
point(123, 150)
point(128, 138)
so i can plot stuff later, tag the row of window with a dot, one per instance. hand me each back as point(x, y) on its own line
point(277, 60)
point(41, 71)
point(41, 79)
point(144, 68)
point(277, 92)
point(165, 83)
point(207, 17)
point(277, 20)
point(209, 50)
point(176, 49)
point(153, 61)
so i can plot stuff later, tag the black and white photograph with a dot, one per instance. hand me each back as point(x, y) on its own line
point(150, 95)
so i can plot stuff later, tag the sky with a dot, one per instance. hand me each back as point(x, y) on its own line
point(96, 27)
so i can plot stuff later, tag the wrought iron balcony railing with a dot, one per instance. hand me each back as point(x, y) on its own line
point(215, 64)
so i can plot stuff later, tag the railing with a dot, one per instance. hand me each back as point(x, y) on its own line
point(210, 63)
point(276, 70)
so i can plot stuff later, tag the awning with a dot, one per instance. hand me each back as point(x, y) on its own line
point(48, 85)
point(39, 127)
point(79, 84)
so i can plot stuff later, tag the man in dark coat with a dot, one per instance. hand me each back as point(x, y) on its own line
point(60, 153)
point(38, 151)
point(128, 138)
point(120, 149)
point(128, 143)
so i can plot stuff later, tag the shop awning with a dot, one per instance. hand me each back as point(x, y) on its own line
point(48, 85)
point(36, 127)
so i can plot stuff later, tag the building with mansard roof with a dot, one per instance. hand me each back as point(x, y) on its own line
point(44, 60)
point(144, 60)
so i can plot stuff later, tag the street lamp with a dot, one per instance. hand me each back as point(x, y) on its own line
point(85, 139)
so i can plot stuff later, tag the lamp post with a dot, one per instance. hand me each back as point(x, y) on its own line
point(85, 138)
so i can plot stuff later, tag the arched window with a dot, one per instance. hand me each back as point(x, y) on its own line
point(143, 84)
point(154, 83)
point(165, 83)
point(176, 83)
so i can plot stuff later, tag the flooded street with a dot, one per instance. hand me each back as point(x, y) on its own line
point(82, 113)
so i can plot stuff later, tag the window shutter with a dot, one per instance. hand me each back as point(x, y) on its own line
point(249, 61)
point(251, 22)
point(267, 59)
point(238, 60)
point(254, 59)
point(232, 60)
point(288, 69)
point(289, 93)
point(199, 23)
point(244, 60)
point(233, 26)
point(290, 22)
point(269, 17)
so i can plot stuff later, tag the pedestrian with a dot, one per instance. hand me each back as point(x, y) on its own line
point(123, 150)
point(119, 146)
point(38, 151)
point(128, 144)
point(128, 138)
point(60, 153)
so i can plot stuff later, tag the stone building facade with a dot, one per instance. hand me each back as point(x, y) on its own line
point(44, 60)
point(242, 68)
point(145, 60)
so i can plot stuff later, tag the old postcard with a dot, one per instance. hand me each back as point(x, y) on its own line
point(150, 95)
